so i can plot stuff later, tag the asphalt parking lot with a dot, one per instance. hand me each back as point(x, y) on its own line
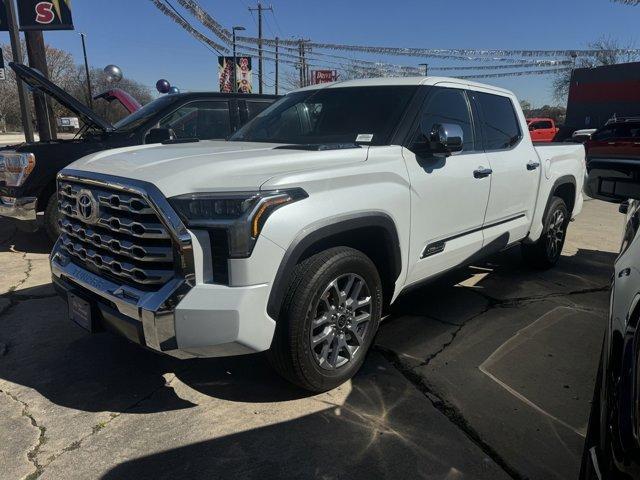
point(486, 373)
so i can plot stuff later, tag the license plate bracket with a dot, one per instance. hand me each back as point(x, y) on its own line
point(80, 312)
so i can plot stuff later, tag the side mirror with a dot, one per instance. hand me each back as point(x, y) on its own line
point(159, 135)
point(531, 128)
point(613, 181)
point(444, 138)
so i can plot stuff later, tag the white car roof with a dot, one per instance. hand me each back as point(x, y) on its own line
point(398, 81)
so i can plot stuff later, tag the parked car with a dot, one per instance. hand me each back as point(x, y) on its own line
point(296, 234)
point(28, 170)
point(612, 445)
point(542, 129)
point(618, 138)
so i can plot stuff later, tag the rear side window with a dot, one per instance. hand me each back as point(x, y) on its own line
point(500, 125)
point(204, 120)
point(543, 125)
point(255, 107)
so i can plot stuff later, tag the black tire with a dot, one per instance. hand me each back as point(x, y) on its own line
point(51, 217)
point(546, 252)
point(310, 292)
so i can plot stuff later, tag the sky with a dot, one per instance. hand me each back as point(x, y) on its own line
point(136, 36)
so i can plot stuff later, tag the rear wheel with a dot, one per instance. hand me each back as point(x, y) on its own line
point(545, 253)
point(329, 317)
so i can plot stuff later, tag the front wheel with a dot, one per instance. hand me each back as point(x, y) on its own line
point(51, 218)
point(328, 319)
point(545, 253)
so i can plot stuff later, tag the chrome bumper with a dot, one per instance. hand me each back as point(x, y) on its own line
point(154, 310)
point(23, 208)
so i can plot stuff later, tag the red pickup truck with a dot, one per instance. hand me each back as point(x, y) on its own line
point(542, 129)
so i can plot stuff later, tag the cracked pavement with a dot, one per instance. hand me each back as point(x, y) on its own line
point(485, 373)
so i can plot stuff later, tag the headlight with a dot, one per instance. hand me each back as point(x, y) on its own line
point(15, 167)
point(241, 214)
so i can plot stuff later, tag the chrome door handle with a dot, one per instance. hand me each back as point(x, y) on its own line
point(533, 165)
point(482, 172)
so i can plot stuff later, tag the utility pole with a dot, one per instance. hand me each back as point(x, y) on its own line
point(260, 9)
point(86, 69)
point(277, 62)
point(17, 58)
point(38, 59)
point(301, 61)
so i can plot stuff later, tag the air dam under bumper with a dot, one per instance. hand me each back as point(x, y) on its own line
point(208, 321)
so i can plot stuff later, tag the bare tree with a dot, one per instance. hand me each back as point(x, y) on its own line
point(608, 52)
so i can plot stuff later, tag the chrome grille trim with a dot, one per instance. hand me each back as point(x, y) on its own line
point(136, 226)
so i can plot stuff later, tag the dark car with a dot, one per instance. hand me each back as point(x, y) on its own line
point(612, 446)
point(28, 170)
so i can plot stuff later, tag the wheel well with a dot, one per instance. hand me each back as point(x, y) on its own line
point(567, 192)
point(375, 242)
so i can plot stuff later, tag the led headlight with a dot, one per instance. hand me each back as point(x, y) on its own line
point(241, 214)
point(15, 167)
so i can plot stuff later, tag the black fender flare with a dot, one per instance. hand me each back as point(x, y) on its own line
point(324, 229)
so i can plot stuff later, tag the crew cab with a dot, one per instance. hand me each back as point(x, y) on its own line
point(542, 129)
point(296, 234)
point(28, 170)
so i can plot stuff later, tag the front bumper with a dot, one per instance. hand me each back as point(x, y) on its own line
point(21, 208)
point(204, 320)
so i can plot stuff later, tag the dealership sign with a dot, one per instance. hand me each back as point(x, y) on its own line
point(39, 15)
point(243, 74)
point(323, 76)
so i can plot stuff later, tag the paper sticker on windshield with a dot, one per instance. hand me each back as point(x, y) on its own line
point(364, 137)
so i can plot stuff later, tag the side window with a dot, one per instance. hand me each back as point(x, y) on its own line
point(255, 107)
point(500, 125)
point(542, 125)
point(203, 120)
point(447, 105)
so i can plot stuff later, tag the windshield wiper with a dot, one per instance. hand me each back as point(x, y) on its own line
point(318, 147)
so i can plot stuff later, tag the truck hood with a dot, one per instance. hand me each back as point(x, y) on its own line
point(211, 165)
point(37, 81)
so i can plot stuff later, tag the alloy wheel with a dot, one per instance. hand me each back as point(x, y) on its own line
point(555, 234)
point(340, 321)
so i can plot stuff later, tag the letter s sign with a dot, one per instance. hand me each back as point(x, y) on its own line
point(44, 12)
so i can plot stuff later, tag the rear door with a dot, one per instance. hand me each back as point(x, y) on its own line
point(515, 169)
point(448, 200)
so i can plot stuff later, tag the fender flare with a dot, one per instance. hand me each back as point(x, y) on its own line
point(324, 229)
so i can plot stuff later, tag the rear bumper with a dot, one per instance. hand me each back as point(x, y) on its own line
point(21, 208)
point(183, 321)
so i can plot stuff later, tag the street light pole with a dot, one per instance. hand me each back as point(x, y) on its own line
point(234, 87)
point(86, 69)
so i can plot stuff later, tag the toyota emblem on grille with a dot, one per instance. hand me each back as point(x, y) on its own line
point(87, 206)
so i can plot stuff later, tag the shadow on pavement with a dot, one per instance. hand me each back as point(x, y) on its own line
point(14, 239)
point(384, 429)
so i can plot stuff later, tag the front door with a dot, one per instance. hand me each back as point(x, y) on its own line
point(448, 197)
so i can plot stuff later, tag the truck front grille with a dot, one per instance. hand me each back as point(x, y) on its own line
point(115, 233)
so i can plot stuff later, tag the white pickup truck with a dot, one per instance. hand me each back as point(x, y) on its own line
point(296, 234)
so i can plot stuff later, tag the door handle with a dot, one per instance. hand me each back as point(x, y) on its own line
point(533, 165)
point(482, 172)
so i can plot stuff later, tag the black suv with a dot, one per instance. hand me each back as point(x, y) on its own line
point(28, 170)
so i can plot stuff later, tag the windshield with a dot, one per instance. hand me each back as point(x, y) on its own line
point(133, 121)
point(330, 115)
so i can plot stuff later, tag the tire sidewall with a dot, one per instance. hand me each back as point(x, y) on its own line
point(51, 218)
point(336, 267)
